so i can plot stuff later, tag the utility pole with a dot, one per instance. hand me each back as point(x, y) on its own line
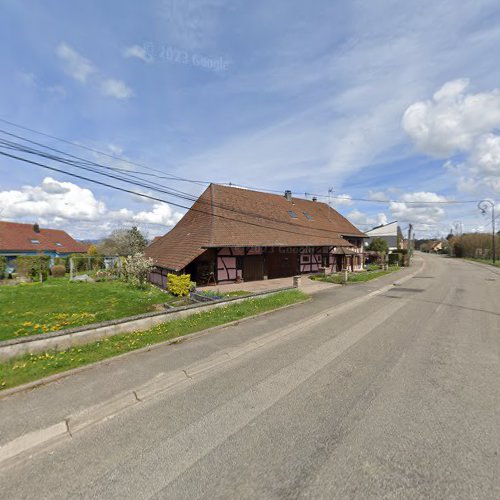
point(410, 227)
point(483, 206)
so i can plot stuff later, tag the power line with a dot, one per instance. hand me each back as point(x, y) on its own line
point(174, 177)
point(168, 191)
point(88, 148)
point(118, 188)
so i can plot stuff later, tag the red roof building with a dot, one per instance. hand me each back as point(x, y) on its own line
point(29, 239)
point(232, 234)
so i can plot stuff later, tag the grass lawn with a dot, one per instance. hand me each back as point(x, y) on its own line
point(357, 277)
point(34, 366)
point(32, 308)
point(486, 261)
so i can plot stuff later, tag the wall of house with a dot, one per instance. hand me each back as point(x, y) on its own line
point(227, 264)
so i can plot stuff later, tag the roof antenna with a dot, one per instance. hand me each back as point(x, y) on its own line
point(330, 194)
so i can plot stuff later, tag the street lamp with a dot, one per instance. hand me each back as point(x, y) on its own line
point(483, 206)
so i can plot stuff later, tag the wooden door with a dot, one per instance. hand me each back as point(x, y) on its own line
point(281, 264)
point(253, 267)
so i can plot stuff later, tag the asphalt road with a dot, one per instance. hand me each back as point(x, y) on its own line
point(398, 397)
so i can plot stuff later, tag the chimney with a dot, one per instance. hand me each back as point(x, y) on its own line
point(288, 195)
point(36, 227)
point(314, 198)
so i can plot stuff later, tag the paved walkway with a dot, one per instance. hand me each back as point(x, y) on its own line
point(307, 285)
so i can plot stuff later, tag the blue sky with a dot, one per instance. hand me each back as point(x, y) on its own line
point(376, 99)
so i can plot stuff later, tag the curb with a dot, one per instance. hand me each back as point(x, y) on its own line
point(164, 381)
point(176, 340)
point(69, 337)
point(486, 267)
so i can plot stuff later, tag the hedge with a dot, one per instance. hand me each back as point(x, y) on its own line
point(3, 266)
point(33, 266)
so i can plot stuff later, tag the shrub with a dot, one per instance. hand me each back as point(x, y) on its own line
point(106, 274)
point(80, 262)
point(179, 285)
point(3, 266)
point(36, 266)
point(394, 259)
point(58, 271)
point(83, 262)
point(137, 269)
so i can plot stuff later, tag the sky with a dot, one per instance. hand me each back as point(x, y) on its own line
point(369, 100)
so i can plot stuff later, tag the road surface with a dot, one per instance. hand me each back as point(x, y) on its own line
point(395, 397)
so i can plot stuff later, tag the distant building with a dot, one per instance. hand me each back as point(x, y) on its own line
point(232, 234)
point(18, 239)
point(437, 246)
point(391, 233)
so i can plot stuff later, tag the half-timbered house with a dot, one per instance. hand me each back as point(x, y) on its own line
point(232, 234)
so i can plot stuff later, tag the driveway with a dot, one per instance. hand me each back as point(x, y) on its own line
point(306, 285)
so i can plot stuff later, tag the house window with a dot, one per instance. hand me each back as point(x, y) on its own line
point(59, 244)
point(308, 217)
point(35, 242)
point(293, 215)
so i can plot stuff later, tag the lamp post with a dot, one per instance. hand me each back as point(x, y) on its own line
point(483, 206)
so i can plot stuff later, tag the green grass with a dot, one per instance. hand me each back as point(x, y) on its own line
point(485, 261)
point(35, 366)
point(32, 308)
point(357, 277)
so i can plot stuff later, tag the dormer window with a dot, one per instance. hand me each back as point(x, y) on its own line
point(292, 214)
point(308, 217)
point(59, 244)
point(35, 242)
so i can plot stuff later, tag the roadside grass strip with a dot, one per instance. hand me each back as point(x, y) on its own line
point(31, 367)
point(357, 277)
point(484, 261)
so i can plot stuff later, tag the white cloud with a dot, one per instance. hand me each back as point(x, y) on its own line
point(363, 219)
point(75, 65)
point(81, 69)
point(77, 210)
point(342, 199)
point(452, 121)
point(137, 52)
point(414, 212)
point(161, 213)
point(458, 122)
point(116, 89)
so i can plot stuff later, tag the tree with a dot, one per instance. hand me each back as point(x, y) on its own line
point(378, 245)
point(123, 242)
point(92, 250)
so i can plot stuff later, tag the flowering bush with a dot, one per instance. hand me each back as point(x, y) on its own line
point(137, 269)
point(179, 285)
point(106, 274)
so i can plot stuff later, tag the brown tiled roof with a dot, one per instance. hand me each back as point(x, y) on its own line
point(229, 216)
point(16, 237)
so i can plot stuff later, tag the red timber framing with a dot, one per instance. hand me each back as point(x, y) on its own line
point(232, 264)
point(255, 263)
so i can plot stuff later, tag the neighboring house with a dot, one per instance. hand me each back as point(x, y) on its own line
point(232, 233)
point(391, 233)
point(18, 239)
point(436, 247)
